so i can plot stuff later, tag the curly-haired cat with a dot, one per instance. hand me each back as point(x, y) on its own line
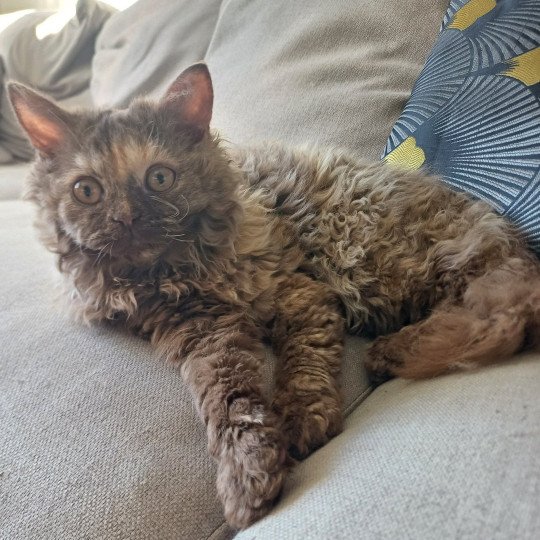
point(205, 251)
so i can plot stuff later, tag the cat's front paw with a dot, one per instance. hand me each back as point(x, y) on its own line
point(381, 361)
point(251, 472)
point(310, 423)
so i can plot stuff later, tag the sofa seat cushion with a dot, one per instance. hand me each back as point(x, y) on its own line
point(452, 457)
point(12, 179)
point(99, 438)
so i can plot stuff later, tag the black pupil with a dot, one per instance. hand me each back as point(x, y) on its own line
point(160, 177)
point(87, 191)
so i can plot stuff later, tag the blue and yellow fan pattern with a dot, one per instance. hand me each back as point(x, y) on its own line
point(474, 114)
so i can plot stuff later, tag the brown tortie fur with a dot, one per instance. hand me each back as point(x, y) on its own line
point(205, 251)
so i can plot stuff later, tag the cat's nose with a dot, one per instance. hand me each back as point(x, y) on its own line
point(126, 218)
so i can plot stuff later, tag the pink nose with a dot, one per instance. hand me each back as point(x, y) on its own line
point(125, 218)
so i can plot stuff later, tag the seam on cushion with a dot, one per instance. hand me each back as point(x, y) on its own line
point(217, 530)
point(211, 40)
point(357, 401)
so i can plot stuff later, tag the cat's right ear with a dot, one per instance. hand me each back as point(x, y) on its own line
point(45, 123)
point(191, 98)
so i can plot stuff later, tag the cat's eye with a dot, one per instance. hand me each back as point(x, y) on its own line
point(87, 190)
point(160, 178)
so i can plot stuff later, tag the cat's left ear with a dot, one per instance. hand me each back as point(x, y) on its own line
point(45, 123)
point(191, 97)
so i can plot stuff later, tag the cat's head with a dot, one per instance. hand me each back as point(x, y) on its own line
point(134, 183)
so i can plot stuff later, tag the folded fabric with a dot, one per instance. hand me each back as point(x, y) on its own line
point(142, 49)
point(474, 114)
point(51, 55)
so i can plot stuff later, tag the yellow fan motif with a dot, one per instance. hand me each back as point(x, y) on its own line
point(470, 13)
point(525, 67)
point(407, 155)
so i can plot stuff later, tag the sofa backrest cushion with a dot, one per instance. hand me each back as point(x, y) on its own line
point(317, 72)
point(143, 48)
point(308, 71)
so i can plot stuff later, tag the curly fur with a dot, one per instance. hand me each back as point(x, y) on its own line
point(290, 244)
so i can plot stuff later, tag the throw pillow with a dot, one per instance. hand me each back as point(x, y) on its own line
point(474, 113)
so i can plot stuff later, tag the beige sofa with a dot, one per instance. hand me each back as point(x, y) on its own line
point(100, 440)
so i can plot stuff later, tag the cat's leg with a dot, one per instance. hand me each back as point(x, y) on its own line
point(498, 316)
point(308, 339)
point(221, 359)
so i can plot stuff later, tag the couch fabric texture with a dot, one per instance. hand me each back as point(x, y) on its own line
point(474, 113)
point(141, 50)
point(99, 439)
point(334, 73)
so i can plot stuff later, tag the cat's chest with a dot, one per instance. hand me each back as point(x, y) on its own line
point(245, 290)
point(248, 286)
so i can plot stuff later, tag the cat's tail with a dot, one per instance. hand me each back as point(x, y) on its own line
point(498, 316)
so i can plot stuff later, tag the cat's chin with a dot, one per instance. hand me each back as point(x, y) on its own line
point(138, 256)
point(126, 252)
point(135, 251)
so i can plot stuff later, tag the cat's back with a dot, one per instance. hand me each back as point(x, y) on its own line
point(284, 171)
point(323, 178)
point(382, 237)
point(306, 184)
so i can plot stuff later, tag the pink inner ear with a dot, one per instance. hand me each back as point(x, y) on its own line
point(192, 94)
point(198, 107)
point(45, 134)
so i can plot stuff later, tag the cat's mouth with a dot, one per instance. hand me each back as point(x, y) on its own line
point(128, 251)
point(135, 245)
point(130, 245)
point(125, 242)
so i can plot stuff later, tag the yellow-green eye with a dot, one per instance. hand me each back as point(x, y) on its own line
point(87, 190)
point(160, 178)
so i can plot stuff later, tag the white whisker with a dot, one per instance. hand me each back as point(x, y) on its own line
point(175, 208)
point(167, 203)
point(176, 237)
point(102, 252)
point(187, 209)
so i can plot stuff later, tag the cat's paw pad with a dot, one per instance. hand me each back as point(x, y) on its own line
point(251, 472)
point(381, 361)
point(310, 425)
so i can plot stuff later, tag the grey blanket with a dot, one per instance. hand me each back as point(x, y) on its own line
point(58, 64)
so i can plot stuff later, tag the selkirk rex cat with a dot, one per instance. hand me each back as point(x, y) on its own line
point(205, 251)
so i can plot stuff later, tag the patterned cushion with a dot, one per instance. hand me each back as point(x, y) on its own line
point(474, 114)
